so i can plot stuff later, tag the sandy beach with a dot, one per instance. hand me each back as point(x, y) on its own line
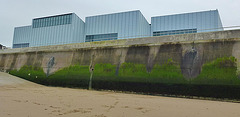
point(21, 98)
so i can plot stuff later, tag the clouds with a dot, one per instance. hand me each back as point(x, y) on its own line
point(15, 13)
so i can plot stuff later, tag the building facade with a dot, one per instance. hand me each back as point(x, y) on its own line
point(204, 21)
point(69, 28)
point(122, 25)
point(52, 30)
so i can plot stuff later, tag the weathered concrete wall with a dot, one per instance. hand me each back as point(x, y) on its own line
point(189, 51)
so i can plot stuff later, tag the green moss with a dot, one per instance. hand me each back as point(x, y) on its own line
point(72, 76)
point(221, 71)
point(104, 70)
point(217, 79)
point(75, 71)
point(166, 73)
point(77, 75)
point(35, 74)
point(132, 70)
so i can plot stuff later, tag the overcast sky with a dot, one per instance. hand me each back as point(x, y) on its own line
point(15, 13)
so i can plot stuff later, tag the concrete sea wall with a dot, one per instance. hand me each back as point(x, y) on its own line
point(202, 64)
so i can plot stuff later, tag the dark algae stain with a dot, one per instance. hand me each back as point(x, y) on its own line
point(50, 65)
point(137, 54)
point(13, 61)
point(191, 63)
point(31, 58)
point(3, 60)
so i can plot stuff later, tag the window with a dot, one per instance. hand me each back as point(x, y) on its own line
point(52, 21)
point(174, 32)
point(58, 21)
point(22, 45)
point(101, 37)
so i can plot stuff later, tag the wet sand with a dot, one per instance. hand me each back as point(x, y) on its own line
point(21, 98)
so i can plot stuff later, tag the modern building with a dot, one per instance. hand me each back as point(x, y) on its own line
point(69, 28)
point(52, 30)
point(122, 25)
point(204, 21)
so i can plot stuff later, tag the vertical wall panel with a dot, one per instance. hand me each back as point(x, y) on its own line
point(200, 20)
point(126, 24)
point(58, 29)
point(52, 35)
point(22, 35)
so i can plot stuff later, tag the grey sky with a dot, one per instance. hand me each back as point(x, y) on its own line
point(15, 13)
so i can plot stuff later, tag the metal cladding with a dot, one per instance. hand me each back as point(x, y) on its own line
point(53, 30)
point(122, 25)
point(69, 28)
point(205, 21)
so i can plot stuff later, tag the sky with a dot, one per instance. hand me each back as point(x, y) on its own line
point(16, 13)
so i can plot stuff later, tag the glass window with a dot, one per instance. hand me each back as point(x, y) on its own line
point(174, 32)
point(47, 21)
point(70, 19)
point(101, 37)
point(22, 45)
point(40, 23)
point(52, 21)
point(44, 22)
point(65, 19)
point(58, 21)
point(34, 23)
point(61, 20)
